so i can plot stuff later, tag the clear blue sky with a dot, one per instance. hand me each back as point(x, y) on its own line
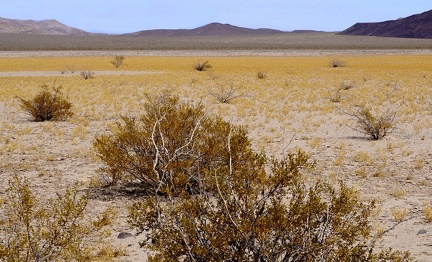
point(125, 16)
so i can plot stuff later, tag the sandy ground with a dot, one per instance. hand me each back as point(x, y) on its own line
point(70, 160)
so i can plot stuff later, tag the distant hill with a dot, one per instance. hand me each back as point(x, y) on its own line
point(213, 29)
point(415, 26)
point(48, 27)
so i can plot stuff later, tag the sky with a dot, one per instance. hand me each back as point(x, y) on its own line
point(126, 16)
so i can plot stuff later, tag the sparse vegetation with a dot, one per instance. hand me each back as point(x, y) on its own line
point(48, 105)
point(335, 95)
point(87, 74)
point(427, 211)
point(224, 95)
point(337, 63)
point(374, 126)
point(347, 85)
point(289, 110)
point(399, 214)
point(261, 75)
point(202, 66)
point(117, 61)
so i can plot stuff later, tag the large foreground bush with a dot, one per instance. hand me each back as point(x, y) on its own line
point(170, 149)
point(212, 198)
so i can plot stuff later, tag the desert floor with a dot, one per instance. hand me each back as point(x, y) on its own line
point(290, 108)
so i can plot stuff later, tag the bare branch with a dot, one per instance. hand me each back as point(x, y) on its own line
point(224, 95)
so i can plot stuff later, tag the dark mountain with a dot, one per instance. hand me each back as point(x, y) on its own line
point(48, 27)
point(415, 26)
point(213, 29)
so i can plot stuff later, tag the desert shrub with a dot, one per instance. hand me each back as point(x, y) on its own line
point(71, 68)
point(117, 61)
point(261, 75)
point(202, 66)
point(53, 230)
point(372, 125)
point(335, 95)
point(168, 149)
point(211, 197)
point(256, 208)
point(47, 105)
point(224, 95)
point(337, 63)
point(427, 211)
point(347, 85)
point(87, 74)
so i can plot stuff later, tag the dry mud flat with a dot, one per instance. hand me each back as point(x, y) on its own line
point(56, 154)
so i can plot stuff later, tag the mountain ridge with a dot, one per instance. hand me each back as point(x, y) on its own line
point(414, 26)
point(49, 27)
point(212, 29)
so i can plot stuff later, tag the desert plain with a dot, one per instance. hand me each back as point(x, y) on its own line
point(301, 101)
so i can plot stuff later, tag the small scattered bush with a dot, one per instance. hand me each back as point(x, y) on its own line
point(335, 95)
point(70, 68)
point(202, 66)
point(399, 214)
point(224, 95)
point(87, 74)
point(261, 75)
point(53, 230)
point(337, 63)
point(117, 61)
point(367, 123)
point(427, 211)
point(48, 105)
point(347, 85)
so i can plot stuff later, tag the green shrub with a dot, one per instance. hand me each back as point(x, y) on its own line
point(49, 230)
point(48, 105)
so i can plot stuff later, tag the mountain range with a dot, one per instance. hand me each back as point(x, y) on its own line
point(415, 26)
point(49, 27)
point(213, 29)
